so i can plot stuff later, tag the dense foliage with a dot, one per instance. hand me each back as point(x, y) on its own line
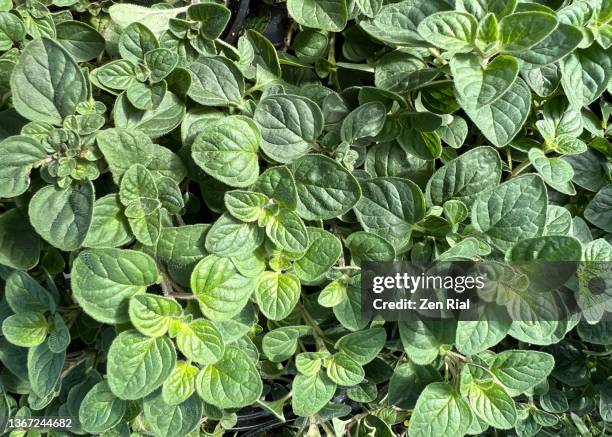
point(186, 204)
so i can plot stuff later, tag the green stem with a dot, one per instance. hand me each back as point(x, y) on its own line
point(522, 166)
point(436, 54)
point(318, 334)
point(359, 67)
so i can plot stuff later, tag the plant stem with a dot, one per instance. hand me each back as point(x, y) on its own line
point(359, 67)
point(184, 296)
point(522, 166)
point(166, 285)
point(436, 54)
point(318, 333)
point(71, 366)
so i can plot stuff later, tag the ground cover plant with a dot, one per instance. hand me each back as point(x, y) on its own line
point(187, 193)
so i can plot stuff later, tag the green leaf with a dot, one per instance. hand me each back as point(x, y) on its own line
point(325, 189)
point(479, 8)
point(455, 211)
point(278, 183)
point(116, 75)
point(477, 86)
point(231, 237)
point(370, 8)
point(558, 221)
point(362, 347)
point(109, 227)
point(170, 195)
point(147, 229)
point(104, 280)
point(152, 315)
point(475, 336)
point(167, 420)
point(154, 122)
point(44, 368)
point(47, 84)
point(82, 41)
point(215, 81)
point(397, 23)
point(138, 192)
point(155, 19)
point(465, 177)
point(520, 371)
point(323, 252)
point(221, 291)
point(289, 124)
point(11, 28)
point(23, 293)
point(227, 150)
point(365, 246)
point(13, 358)
point(333, 294)
point(277, 294)
point(585, 74)
point(181, 248)
point(136, 40)
point(491, 403)
point(25, 329)
point(401, 72)
point(213, 18)
point(62, 216)
point(502, 120)
point(512, 211)
point(161, 62)
point(487, 33)
point(423, 145)
point(389, 159)
point(59, 334)
point(19, 243)
point(246, 206)
point(146, 96)
point(555, 171)
point(599, 208)
point(389, 208)
point(232, 382)
point(422, 338)
point(19, 155)
point(309, 363)
point(440, 410)
point(180, 384)
point(137, 364)
point(319, 14)
point(281, 343)
point(349, 312)
point(200, 341)
point(365, 121)
point(407, 383)
point(554, 401)
point(522, 30)
point(345, 371)
point(562, 41)
point(101, 410)
point(310, 44)
point(449, 30)
point(311, 393)
point(250, 264)
point(122, 148)
point(287, 230)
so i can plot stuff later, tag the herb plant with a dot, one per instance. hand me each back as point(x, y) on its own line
point(183, 219)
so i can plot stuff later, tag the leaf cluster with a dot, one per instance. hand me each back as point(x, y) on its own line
point(183, 219)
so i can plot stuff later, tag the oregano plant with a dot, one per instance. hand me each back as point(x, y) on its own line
point(189, 190)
